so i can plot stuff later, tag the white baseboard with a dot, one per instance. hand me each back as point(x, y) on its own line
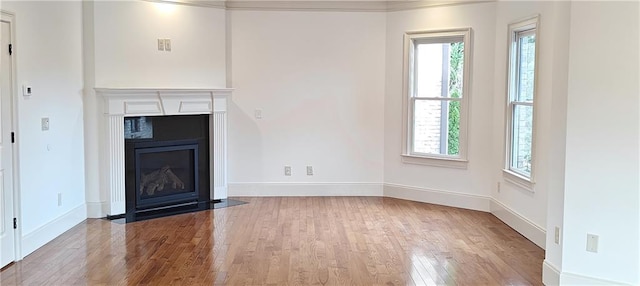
point(567, 278)
point(97, 209)
point(304, 189)
point(452, 199)
point(521, 224)
point(51, 230)
point(550, 274)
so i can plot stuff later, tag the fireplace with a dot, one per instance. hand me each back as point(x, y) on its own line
point(166, 165)
point(125, 108)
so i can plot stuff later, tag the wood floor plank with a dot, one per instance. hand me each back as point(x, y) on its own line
point(290, 240)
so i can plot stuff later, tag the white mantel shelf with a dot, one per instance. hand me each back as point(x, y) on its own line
point(149, 102)
point(118, 103)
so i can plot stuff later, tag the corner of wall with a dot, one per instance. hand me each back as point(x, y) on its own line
point(521, 224)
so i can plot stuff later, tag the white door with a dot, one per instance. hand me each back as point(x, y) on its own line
point(7, 243)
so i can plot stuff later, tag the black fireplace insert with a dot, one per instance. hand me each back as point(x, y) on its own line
point(167, 165)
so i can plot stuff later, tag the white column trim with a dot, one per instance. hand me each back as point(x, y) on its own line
point(115, 181)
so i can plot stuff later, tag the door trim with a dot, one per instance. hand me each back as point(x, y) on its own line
point(10, 17)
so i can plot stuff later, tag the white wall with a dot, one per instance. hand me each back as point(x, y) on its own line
point(530, 204)
point(126, 50)
point(49, 57)
point(477, 179)
point(602, 182)
point(319, 79)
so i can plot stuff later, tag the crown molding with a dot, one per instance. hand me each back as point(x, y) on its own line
point(327, 6)
point(319, 6)
point(394, 6)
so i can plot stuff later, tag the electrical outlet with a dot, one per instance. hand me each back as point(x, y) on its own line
point(309, 170)
point(498, 187)
point(287, 170)
point(59, 199)
point(557, 235)
point(258, 113)
point(167, 45)
point(592, 243)
point(45, 123)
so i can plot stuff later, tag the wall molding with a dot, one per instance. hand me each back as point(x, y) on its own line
point(568, 278)
point(321, 6)
point(302, 189)
point(46, 233)
point(439, 197)
point(520, 223)
point(550, 274)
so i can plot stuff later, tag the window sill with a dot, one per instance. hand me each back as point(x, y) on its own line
point(519, 180)
point(435, 161)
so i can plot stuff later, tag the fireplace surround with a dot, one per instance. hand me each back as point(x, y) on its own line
point(119, 104)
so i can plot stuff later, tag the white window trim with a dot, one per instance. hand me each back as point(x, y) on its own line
point(438, 160)
point(520, 180)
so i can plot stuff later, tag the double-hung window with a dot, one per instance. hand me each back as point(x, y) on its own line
point(436, 97)
point(521, 93)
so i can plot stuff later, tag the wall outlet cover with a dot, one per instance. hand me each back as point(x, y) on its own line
point(287, 170)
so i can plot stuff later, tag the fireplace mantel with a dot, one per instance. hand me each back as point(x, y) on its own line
point(118, 103)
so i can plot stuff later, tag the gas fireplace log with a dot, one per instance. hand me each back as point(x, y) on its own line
point(156, 181)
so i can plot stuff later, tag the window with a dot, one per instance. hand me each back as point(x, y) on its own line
point(436, 97)
point(520, 100)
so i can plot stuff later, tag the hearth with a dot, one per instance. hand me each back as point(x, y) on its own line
point(166, 165)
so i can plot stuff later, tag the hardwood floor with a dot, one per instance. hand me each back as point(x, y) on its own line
point(301, 241)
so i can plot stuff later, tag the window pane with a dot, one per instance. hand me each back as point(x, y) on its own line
point(526, 67)
point(436, 128)
point(521, 143)
point(438, 69)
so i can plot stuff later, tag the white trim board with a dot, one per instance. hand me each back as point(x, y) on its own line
point(568, 278)
point(53, 229)
point(550, 274)
point(286, 189)
point(321, 5)
point(521, 224)
point(445, 198)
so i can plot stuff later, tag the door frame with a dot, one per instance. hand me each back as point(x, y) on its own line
point(10, 17)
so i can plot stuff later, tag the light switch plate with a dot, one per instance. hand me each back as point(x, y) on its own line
point(167, 45)
point(45, 123)
point(160, 44)
point(27, 90)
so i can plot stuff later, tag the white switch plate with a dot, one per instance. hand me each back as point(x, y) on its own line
point(167, 45)
point(59, 199)
point(309, 170)
point(258, 113)
point(287, 170)
point(592, 243)
point(27, 90)
point(45, 123)
point(557, 235)
point(160, 44)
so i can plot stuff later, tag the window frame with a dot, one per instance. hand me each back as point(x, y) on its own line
point(528, 26)
point(411, 39)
